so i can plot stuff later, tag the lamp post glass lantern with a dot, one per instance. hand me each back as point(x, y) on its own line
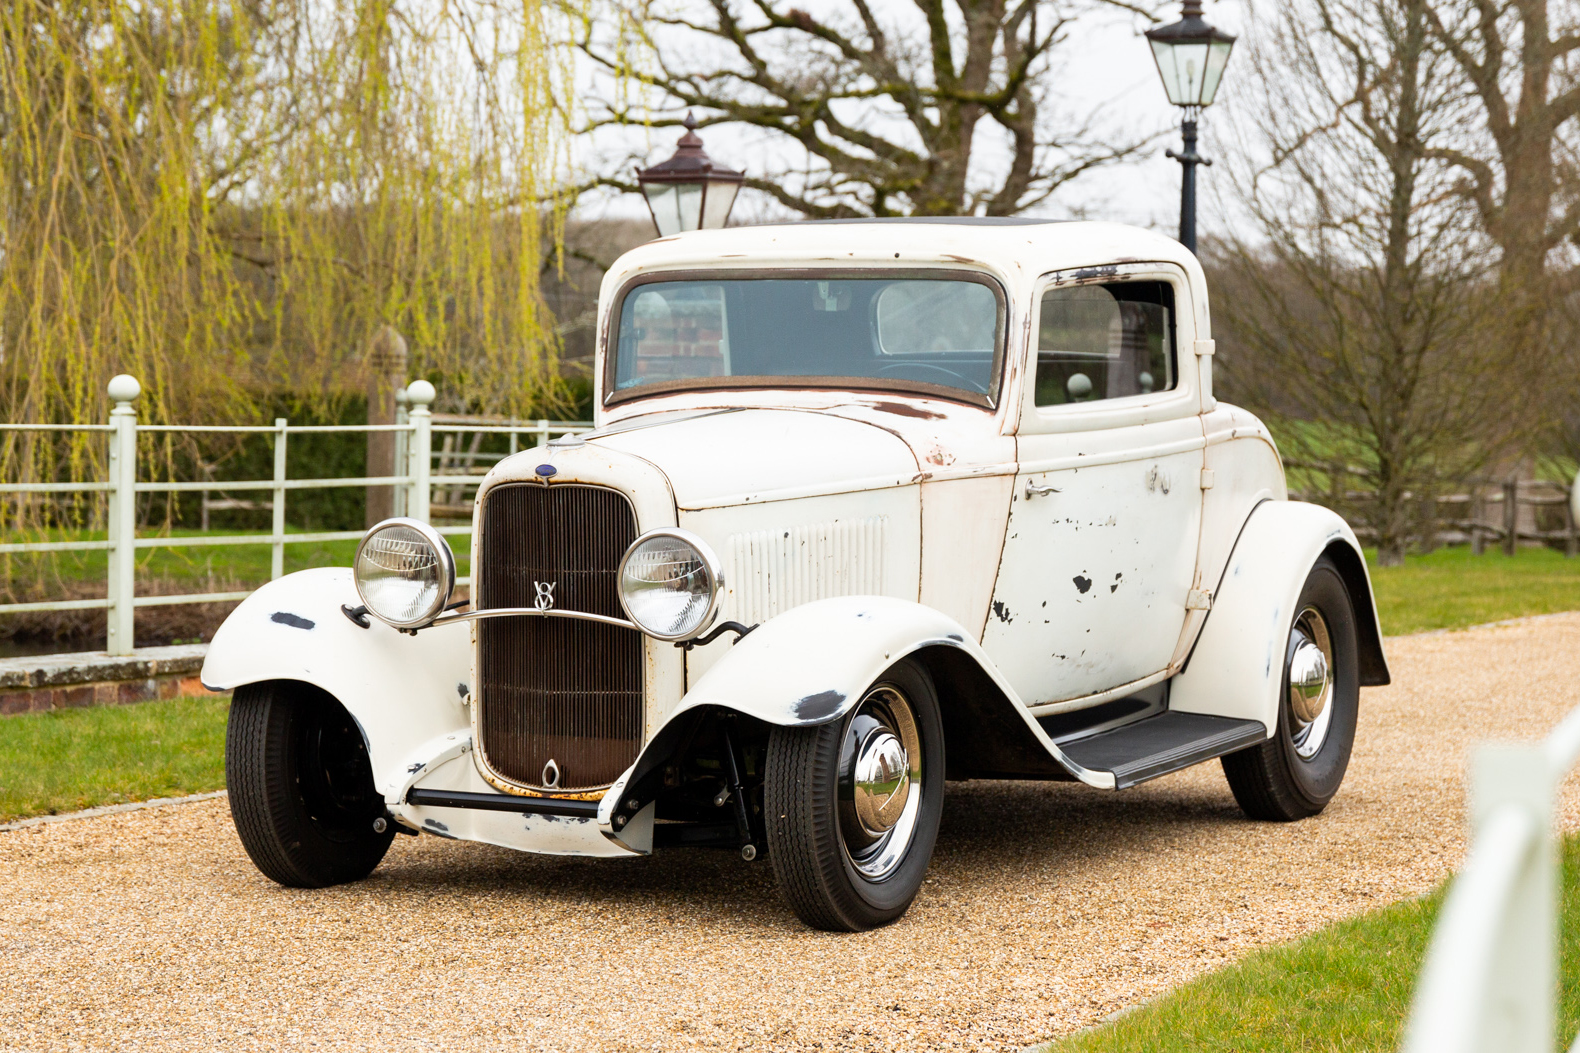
point(1191, 56)
point(689, 191)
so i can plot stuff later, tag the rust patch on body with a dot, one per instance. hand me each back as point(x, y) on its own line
point(901, 409)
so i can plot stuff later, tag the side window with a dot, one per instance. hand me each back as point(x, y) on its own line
point(1105, 341)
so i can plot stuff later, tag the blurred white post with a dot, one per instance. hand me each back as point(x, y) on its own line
point(402, 448)
point(121, 525)
point(543, 432)
point(1524, 966)
point(277, 546)
point(1490, 977)
point(421, 395)
point(1574, 514)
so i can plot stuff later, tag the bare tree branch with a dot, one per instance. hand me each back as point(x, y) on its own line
point(886, 128)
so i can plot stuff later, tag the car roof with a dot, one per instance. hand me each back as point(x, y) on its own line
point(1014, 246)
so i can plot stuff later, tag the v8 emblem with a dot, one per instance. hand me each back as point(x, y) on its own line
point(545, 600)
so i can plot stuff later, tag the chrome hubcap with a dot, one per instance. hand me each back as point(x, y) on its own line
point(879, 775)
point(882, 782)
point(1308, 668)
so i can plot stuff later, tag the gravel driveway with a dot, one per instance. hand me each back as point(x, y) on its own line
point(1048, 906)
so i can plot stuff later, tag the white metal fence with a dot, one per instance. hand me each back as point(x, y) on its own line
point(1490, 979)
point(459, 470)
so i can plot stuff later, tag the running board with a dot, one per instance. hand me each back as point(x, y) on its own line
point(1165, 743)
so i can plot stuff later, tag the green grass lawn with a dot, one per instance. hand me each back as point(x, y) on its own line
point(192, 567)
point(1347, 987)
point(70, 759)
point(1450, 588)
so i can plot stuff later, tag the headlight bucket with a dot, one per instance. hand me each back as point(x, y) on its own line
point(405, 572)
point(670, 582)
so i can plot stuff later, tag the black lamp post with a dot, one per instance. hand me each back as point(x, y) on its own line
point(1191, 56)
point(690, 190)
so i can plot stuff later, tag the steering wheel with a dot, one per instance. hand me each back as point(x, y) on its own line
point(963, 381)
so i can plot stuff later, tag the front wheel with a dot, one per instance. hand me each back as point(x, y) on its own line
point(301, 786)
point(853, 805)
point(1296, 772)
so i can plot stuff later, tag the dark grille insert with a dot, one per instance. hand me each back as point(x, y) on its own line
point(557, 688)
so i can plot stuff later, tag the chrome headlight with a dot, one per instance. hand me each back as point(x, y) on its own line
point(405, 572)
point(670, 583)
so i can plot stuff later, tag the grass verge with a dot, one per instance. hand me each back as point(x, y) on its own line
point(1450, 588)
point(196, 566)
point(70, 759)
point(1347, 987)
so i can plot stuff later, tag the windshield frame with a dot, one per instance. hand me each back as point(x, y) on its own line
point(990, 400)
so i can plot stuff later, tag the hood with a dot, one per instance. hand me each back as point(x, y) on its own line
point(748, 456)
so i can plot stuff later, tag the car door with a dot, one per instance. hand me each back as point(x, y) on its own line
point(1099, 555)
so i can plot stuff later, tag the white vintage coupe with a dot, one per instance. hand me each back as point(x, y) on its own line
point(870, 506)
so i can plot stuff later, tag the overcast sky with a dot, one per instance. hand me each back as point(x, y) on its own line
point(1105, 65)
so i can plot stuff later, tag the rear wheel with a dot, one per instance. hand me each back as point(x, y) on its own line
point(853, 805)
point(1295, 773)
point(301, 786)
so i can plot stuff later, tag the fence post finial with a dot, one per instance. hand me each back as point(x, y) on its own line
point(123, 389)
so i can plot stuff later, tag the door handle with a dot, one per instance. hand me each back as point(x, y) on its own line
point(1033, 490)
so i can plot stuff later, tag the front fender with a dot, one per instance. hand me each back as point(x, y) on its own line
point(1237, 667)
point(404, 691)
point(812, 664)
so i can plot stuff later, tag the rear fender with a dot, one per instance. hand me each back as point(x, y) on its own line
point(1237, 666)
point(405, 692)
point(812, 665)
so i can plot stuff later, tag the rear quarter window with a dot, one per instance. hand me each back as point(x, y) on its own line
point(1105, 341)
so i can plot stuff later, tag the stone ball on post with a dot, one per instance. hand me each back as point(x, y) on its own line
point(124, 388)
point(421, 393)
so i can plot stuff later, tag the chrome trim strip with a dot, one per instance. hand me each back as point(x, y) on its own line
point(512, 612)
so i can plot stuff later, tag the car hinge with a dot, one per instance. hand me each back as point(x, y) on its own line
point(1198, 600)
point(1207, 478)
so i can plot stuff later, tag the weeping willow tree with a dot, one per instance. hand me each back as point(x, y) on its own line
point(224, 197)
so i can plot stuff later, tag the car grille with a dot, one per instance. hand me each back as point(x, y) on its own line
point(556, 689)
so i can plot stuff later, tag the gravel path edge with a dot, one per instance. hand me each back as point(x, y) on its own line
point(108, 809)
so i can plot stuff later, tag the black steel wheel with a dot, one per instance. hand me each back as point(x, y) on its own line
point(852, 806)
point(1295, 773)
point(301, 786)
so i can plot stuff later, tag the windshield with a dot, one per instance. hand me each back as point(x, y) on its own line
point(931, 335)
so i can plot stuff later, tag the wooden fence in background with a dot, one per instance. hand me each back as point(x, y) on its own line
point(1502, 512)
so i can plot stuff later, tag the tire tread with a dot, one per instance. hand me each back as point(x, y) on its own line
point(803, 841)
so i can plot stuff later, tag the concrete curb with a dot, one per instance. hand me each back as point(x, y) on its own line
point(109, 809)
